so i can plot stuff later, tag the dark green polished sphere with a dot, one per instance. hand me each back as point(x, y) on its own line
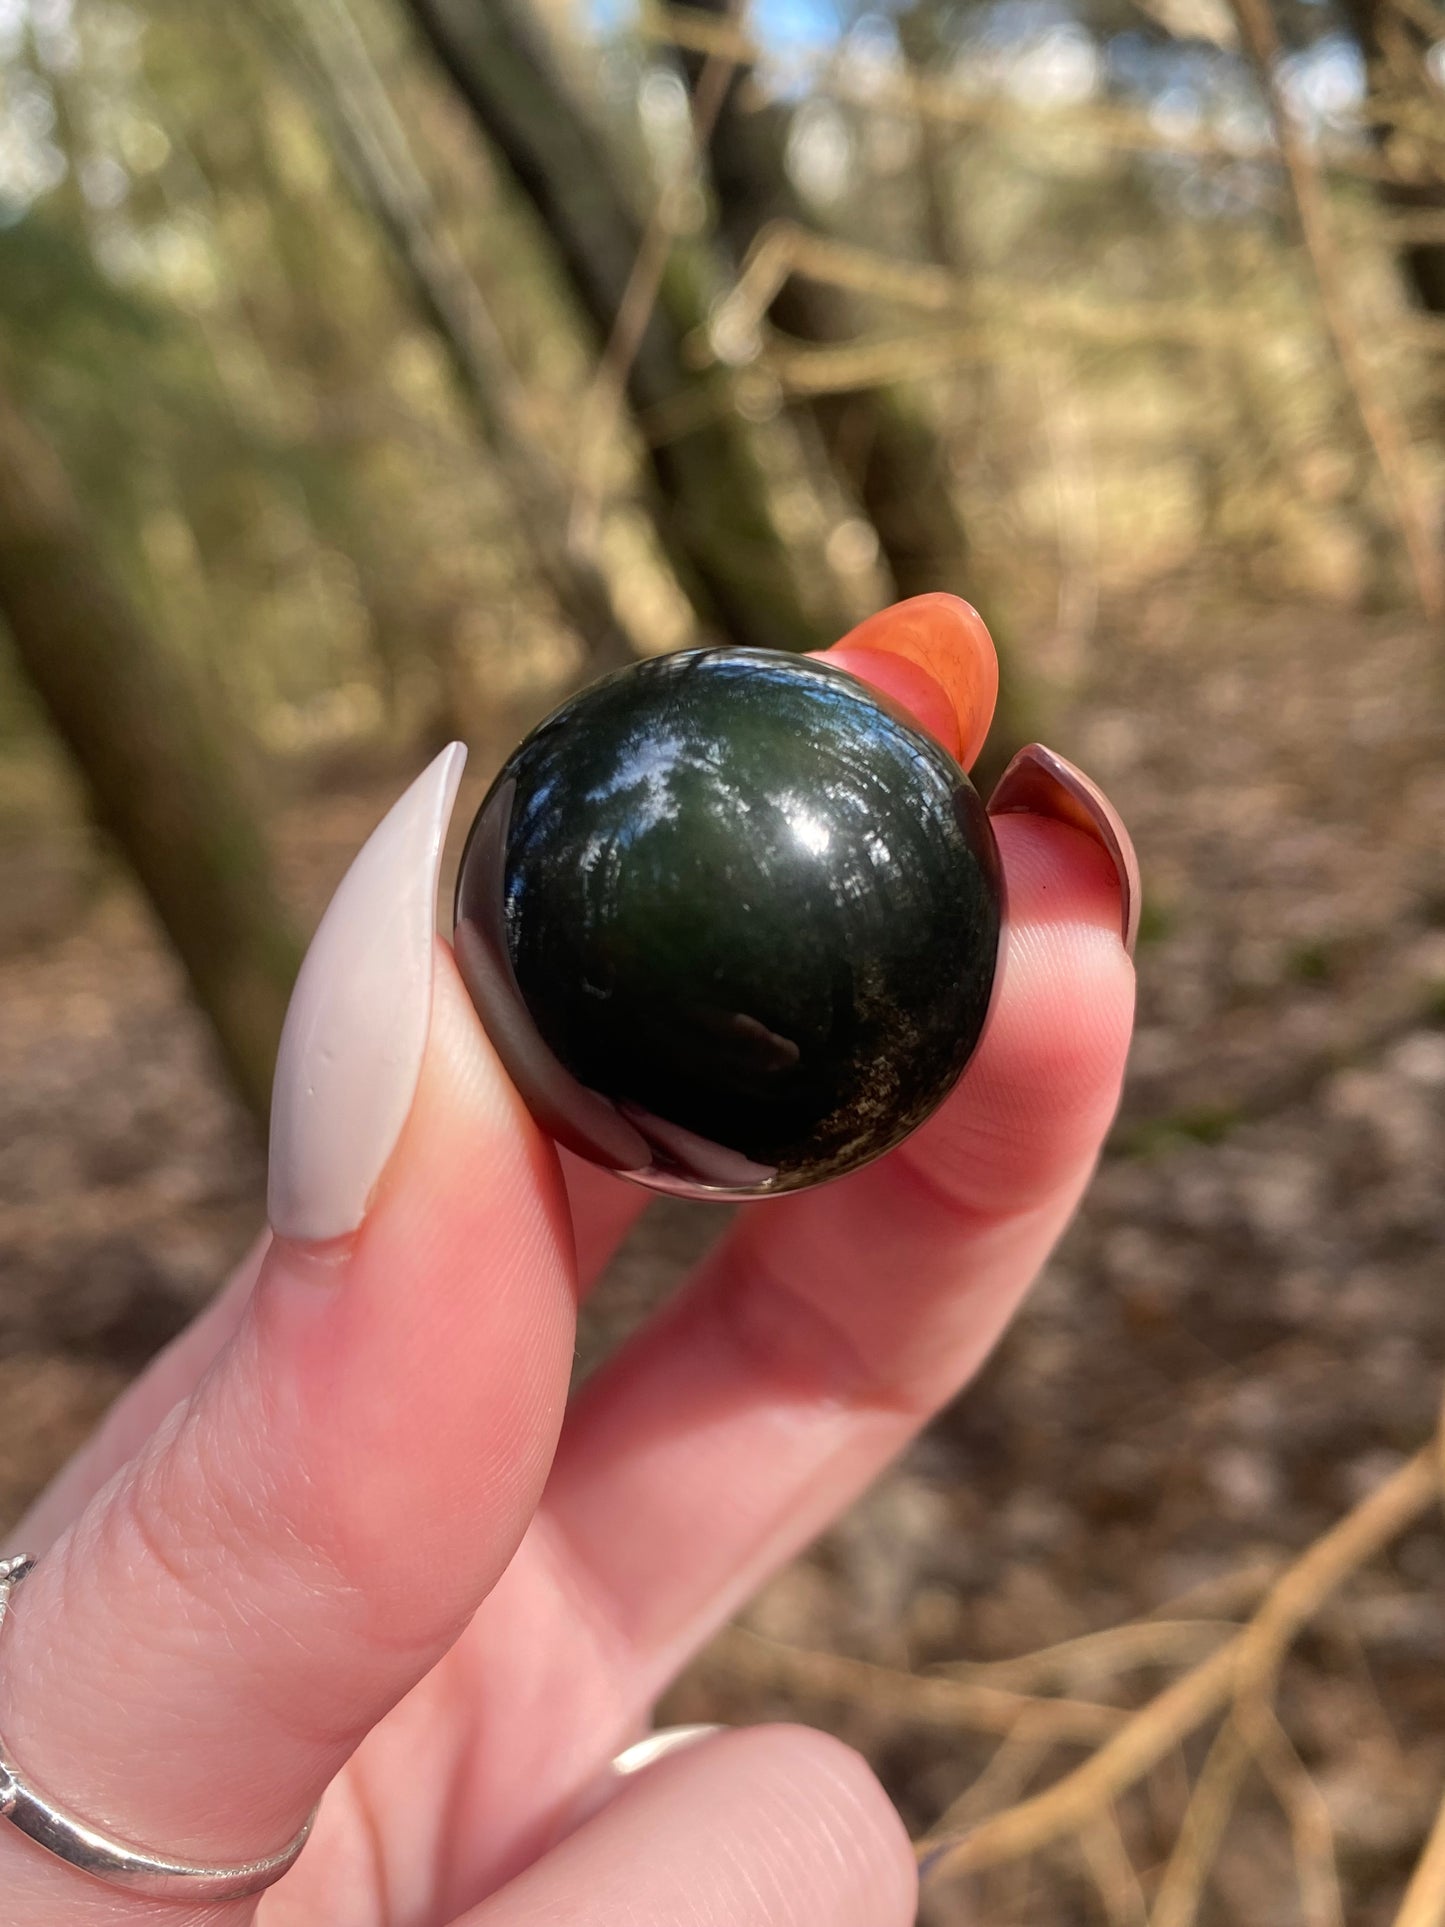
point(731, 921)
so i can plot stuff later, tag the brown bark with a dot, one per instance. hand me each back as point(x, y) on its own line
point(712, 503)
point(1395, 47)
point(377, 156)
point(155, 765)
point(1387, 434)
point(887, 450)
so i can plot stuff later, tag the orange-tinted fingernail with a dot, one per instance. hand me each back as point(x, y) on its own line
point(946, 666)
point(920, 695)
point(1040, 782)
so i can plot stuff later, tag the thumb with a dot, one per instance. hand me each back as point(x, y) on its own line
point(197, 1656)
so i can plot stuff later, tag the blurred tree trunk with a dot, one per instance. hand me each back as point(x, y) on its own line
point(888, 452)
point(927, 37)
point(378, 159)
point(715, 514)
point(923, 35)
point(317, 332)
point(1395, 47)
point(157, 768)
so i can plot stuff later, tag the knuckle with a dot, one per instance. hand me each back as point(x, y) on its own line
point(790, 1337)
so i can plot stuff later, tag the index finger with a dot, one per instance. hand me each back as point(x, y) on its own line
point(828, 1325)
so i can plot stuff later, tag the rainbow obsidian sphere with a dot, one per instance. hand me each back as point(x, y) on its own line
point(731, 921)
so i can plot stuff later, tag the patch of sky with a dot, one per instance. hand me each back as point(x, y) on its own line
point(1325, 84)
point(662, 107)
point(14, 16)
point(30, 162)
point(1042, 53)
point(56, 39)
point(870, 51)
point(1151, 69)
point(795, 24)
point(821, 152)
point(1186, 87)
point(1062, 67)
point(104, 182)
point(31, 105)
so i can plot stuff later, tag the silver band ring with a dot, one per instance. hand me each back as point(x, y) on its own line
point(117, 1862)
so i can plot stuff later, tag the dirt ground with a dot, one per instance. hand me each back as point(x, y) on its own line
point(1241, 1337)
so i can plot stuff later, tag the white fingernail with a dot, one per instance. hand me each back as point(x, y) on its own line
point(355, 1033)
point(657, 1746)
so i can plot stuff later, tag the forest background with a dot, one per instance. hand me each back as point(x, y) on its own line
point(374, 371)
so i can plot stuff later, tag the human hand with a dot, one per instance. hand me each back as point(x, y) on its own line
point(343, 1534)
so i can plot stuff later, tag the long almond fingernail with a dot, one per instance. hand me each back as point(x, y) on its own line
point(1040, 782)
point(355, 1033)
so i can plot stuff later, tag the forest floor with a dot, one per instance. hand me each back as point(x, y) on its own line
point(1243, 1334)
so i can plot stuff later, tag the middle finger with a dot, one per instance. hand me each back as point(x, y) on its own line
point(808, 1348)
point(826, 1327)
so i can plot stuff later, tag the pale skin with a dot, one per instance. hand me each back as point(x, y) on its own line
point(347, 1534)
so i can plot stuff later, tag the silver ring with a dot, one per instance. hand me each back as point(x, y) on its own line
point(117, 1862)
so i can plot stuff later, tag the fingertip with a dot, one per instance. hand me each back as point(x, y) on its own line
point(1036, 1101)
point(1068, 981)
point(771, 1826)
point(604, 1207)
point(354, 1039)
point(471, 1147)
point(845, 1802)
point(918, 693)
point(947, 639)
point(433, 1346)
point(1041, 783)
point(1057, 874)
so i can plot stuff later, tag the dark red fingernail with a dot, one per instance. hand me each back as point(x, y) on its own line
point(1040, 782)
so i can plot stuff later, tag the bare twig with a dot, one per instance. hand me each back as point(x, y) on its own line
point(1013, 1765)
point(1067, 1805)
point(736, 332)
point(330, 53)
point(783, 249)
point(1112, 1871)
point(1386, 435)
point(1415, 230)
point(1227, 1595)
point(1167, 1792)
point(1311, 1829)
point(1101, 1657)
point(1304, 1586)
point(1424, 1902)
point(931, 98)
point(1216, 1792)
point(603, 407)
point(1251, 1734)
point(909, 1696)
point(1248, 1663)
